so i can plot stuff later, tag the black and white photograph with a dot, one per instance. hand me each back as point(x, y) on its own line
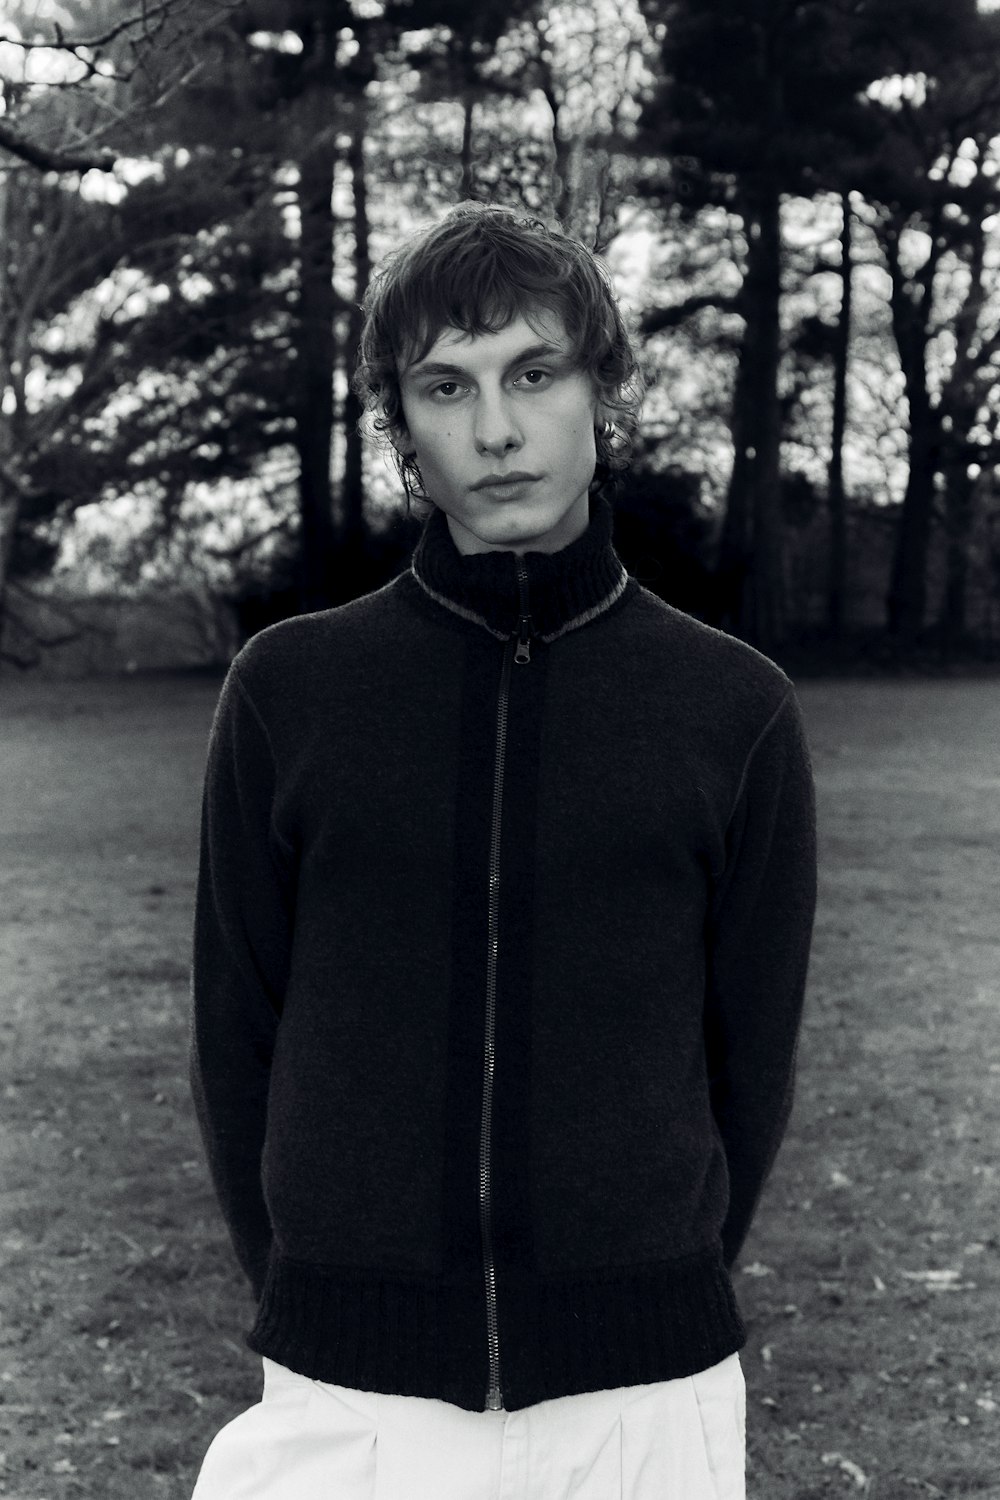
point(499, 749)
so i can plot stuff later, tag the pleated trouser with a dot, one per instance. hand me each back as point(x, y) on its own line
point(306, 1440)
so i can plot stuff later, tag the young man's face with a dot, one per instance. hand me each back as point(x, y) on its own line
point(502, 426)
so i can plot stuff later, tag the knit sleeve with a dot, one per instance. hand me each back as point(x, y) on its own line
point(241, 957)
point(760, 931)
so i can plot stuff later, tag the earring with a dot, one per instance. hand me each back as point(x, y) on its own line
point(607, 429)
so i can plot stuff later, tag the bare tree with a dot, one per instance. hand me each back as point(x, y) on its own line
point(73, 95)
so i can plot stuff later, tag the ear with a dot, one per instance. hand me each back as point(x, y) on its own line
point(403, 443)
point(602, 413)
point(603, 419)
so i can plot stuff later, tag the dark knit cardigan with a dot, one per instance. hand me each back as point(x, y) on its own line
point(498, 973)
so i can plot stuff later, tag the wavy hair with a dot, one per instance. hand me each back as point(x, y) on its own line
point(476, 270)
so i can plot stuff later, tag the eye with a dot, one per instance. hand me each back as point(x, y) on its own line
point(446, 389)
point(534, 378)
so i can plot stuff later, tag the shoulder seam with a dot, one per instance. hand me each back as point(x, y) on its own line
point(787, 695)
point(245, 694)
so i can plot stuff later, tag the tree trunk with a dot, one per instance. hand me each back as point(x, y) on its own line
point(960, 505)
point(736, 535)
point(907, 600)
point(9, 508)
point(560, 184)
point(351, 529)
point(467, 187)
point(837, 575)
point(752, 540)
point(768, 572)
point(907, 603)
point(314, 372)
point(960, 405)
point(9, 503)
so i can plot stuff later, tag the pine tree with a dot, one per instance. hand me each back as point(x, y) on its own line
point(940, 71)
point(758, 98)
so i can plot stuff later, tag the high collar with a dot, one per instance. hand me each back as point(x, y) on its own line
point(565, 589)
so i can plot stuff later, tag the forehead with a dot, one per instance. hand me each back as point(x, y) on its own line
point(457, 348)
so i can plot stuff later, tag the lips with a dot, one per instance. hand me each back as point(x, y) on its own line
point(501, 481)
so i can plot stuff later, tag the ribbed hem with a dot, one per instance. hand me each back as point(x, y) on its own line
point(630, 1326)
point(370, 1333)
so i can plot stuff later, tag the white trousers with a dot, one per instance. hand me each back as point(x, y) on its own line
point(305, 1440)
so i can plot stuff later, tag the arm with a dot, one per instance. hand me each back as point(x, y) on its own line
point(241, 956)
point(758, 950)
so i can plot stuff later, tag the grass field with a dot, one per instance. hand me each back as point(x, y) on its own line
point(871, 1282)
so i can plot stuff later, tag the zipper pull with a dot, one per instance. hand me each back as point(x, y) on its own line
point(523, 651)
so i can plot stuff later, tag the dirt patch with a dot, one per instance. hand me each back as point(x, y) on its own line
point(871, 1281)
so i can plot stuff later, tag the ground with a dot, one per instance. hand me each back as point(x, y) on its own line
point(871, 1281)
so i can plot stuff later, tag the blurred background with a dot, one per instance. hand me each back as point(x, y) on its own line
point(798, 203)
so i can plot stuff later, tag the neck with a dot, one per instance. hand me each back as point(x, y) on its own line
point(566, 587)
point(569, 527)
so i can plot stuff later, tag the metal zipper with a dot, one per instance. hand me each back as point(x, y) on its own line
point(523, 652)
point(517, 649)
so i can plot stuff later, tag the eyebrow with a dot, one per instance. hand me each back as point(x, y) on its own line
point(530, 351)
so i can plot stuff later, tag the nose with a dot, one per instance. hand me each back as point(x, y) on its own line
point(496, 428)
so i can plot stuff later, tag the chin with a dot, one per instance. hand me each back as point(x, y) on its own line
point(517, 538)
point(511, 527)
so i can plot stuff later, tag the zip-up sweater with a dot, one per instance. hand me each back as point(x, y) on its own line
point(502, 927)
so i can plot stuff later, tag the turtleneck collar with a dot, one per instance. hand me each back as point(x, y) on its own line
point(565, 589)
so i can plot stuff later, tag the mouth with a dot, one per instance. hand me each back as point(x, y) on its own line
point(501, 483)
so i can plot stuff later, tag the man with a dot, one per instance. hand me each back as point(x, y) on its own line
point(503, 922)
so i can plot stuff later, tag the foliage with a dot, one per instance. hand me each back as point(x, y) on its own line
point(211, 243)
point(77, 80)
point(753, 90)
point(932, 178)
point(182, 328)
point(763, 103)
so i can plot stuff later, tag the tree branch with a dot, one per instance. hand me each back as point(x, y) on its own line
point(669, 317)
point(14, 482)
point(230, 554)
point(145, 17)
point(40, 156)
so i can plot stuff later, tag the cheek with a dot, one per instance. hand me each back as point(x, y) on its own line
point(579, 419)
point(580, 436)
point(436, 455)
point(427, 444)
